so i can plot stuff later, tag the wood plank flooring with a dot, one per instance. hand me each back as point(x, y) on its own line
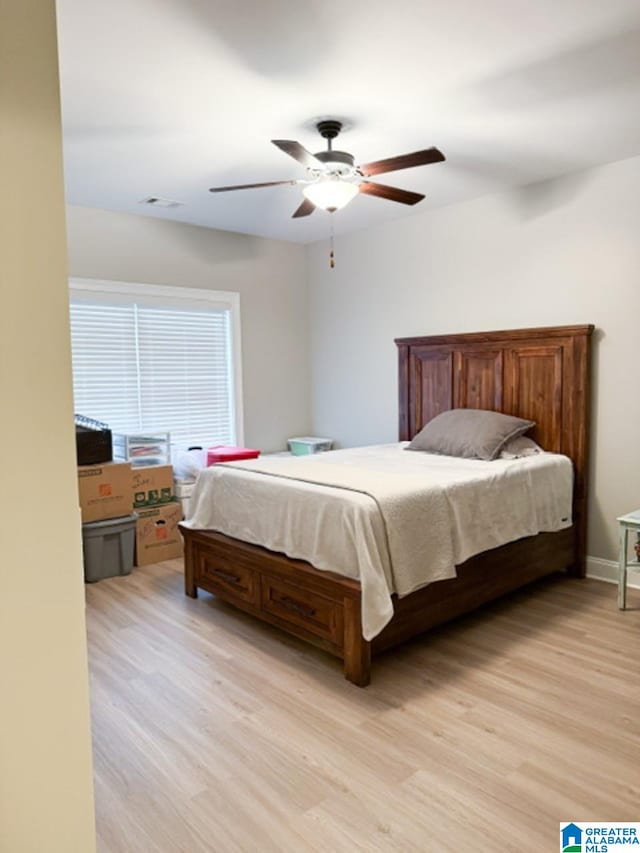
point(214, 733)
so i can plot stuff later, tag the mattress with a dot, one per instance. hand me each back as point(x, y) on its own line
point(393, 519)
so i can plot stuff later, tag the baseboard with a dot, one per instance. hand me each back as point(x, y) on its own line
point(607, 570)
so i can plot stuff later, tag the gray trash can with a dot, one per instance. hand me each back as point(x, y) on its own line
point(108, 547)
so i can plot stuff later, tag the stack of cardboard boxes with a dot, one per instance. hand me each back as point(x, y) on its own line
point(115, 489)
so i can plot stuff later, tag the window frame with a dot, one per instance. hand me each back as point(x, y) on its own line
point(103, 290)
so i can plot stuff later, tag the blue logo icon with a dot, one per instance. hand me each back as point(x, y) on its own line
point(571, 838)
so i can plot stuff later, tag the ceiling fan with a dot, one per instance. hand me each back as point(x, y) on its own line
point(332, 178)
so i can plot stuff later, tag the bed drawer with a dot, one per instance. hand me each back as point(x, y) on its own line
point(308, 610)
point(227, 580)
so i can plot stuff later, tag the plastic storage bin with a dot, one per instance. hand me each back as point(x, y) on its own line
point(225, 453)
point(152, 448)
point(307, 444)
point(183, 490)
point(108, 547)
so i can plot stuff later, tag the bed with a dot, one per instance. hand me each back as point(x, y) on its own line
point(539, 374)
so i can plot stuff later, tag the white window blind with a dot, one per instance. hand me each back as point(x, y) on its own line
point(155, 362)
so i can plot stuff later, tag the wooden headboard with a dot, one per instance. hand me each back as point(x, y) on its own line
point(541, 374)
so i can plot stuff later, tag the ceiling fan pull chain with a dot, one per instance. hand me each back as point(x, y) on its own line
point(332, 257)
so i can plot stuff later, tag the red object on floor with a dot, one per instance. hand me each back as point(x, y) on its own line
point(223, 453)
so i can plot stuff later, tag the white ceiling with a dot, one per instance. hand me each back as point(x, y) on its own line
point(170, 97)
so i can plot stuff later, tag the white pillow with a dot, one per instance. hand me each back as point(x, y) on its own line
point(520, 446)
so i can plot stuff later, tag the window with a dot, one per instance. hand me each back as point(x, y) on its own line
point(149, 358)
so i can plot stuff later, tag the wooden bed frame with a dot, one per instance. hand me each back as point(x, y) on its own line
point(540, 374)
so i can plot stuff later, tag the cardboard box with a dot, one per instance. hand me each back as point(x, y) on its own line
point(105, 491)
point(152, 485)
point(157, 534)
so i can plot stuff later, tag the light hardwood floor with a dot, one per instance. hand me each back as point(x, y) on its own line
point(213, 732)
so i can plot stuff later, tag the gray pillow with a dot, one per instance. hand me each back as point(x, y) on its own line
point(518, 448)
point(469, 433)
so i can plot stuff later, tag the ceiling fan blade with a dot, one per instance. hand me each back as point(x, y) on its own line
point(251, 186)
point(390, 193)
point(405, 161)
point(298, 152)
point(306, 208)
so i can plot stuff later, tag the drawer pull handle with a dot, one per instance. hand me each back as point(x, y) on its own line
point(297, 607)
point(227, 576)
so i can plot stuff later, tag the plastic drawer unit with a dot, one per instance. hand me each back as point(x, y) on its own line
point(153, 448)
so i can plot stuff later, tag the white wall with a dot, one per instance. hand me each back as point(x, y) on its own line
point(562, 252)
point(269, 275)
point(46, 800)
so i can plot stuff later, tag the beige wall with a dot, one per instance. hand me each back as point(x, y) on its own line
point(46, 802)
point(563, 252)
point(269, 275)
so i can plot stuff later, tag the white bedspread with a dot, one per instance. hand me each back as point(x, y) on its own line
point(395, 520)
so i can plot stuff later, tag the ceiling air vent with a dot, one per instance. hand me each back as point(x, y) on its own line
point(155, 201)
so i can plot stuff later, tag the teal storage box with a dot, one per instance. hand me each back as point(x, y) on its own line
point(307, 444)
point(108, 547)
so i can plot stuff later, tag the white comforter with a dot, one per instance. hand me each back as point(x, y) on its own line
point(395, 520)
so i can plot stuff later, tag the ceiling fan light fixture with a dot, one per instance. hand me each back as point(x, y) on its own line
point(331, 193)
